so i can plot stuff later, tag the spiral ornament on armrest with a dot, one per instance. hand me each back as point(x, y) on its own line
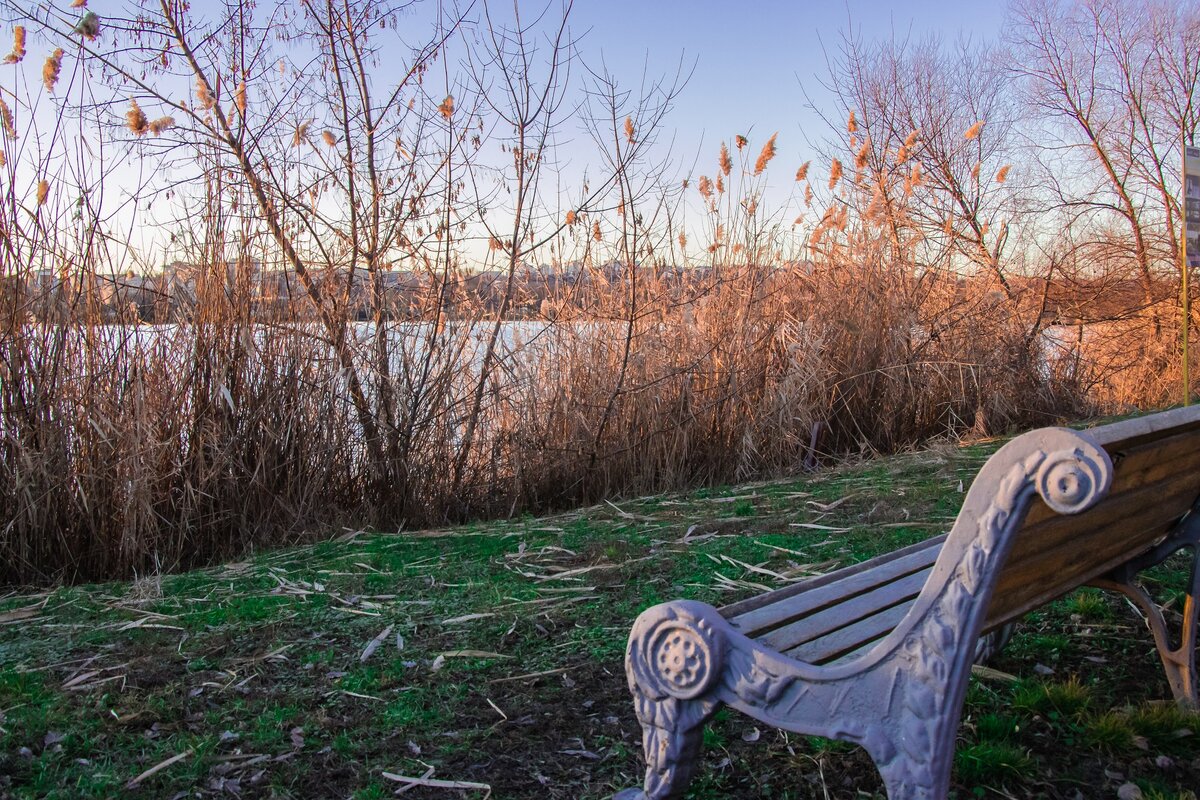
point(1070, 481)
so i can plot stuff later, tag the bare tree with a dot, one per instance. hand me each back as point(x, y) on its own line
point(931, 142)
point(1112, 85)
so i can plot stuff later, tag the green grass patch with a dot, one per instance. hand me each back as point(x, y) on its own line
point(493, 653)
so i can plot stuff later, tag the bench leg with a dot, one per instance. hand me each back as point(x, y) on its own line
point(673, 663)
point(1179, 663)
point(672, 732)
point(991, 644)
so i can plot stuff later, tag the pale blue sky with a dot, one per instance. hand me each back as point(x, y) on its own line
point(752, 61)
point(755, 60)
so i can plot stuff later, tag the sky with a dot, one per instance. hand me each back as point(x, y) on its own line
point(755, 67)
point(755, 61)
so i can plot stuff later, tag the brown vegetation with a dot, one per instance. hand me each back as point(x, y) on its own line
point(910, 299)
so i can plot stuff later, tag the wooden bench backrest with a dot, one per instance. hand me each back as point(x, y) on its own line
point(1156, 481)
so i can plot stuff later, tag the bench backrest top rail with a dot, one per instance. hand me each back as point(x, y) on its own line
point(1156, 481)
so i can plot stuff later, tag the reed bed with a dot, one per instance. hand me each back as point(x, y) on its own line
point(129, 449)
point(682, 329)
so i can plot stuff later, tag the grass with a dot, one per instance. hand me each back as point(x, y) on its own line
point(499, 661)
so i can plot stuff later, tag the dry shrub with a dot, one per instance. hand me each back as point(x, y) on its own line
point(761, 372)
point(1127, 363)
point(127, 447)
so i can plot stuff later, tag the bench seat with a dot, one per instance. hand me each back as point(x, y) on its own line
point(824, 619)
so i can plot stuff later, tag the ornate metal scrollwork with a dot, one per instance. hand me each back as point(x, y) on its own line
point(674, 653)
point(1070, 481)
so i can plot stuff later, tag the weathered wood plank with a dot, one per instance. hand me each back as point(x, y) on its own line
point(1136, 467)
point(847, 612)
point(1129, 433)
point(847, 640)
point(740, 616)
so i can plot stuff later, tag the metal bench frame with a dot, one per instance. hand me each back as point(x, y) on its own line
point(902, 698)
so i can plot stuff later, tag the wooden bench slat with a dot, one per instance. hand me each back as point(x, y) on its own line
point(1132, 432)
point(787, 605)
point(847, 612)
point(1143, 508)
point(739, 613)
point(846, 641)
point(1034, 578)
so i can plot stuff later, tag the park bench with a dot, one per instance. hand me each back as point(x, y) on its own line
point(879, 653)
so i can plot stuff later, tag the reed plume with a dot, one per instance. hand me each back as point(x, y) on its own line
point(204, 95)
point(835, 173)
point(860, 158)
point(6, 120)
point(18, 49)
point(158, 126)
point(135, 119)
point(300, 134)
point(52, 68)
point(765, 155)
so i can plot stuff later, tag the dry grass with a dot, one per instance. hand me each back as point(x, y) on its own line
point(128, 449)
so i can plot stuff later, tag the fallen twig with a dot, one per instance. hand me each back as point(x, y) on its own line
point(439, 784)
point(159, 767)
point(373, 645)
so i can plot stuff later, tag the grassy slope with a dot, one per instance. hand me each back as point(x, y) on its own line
point(254, 671)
